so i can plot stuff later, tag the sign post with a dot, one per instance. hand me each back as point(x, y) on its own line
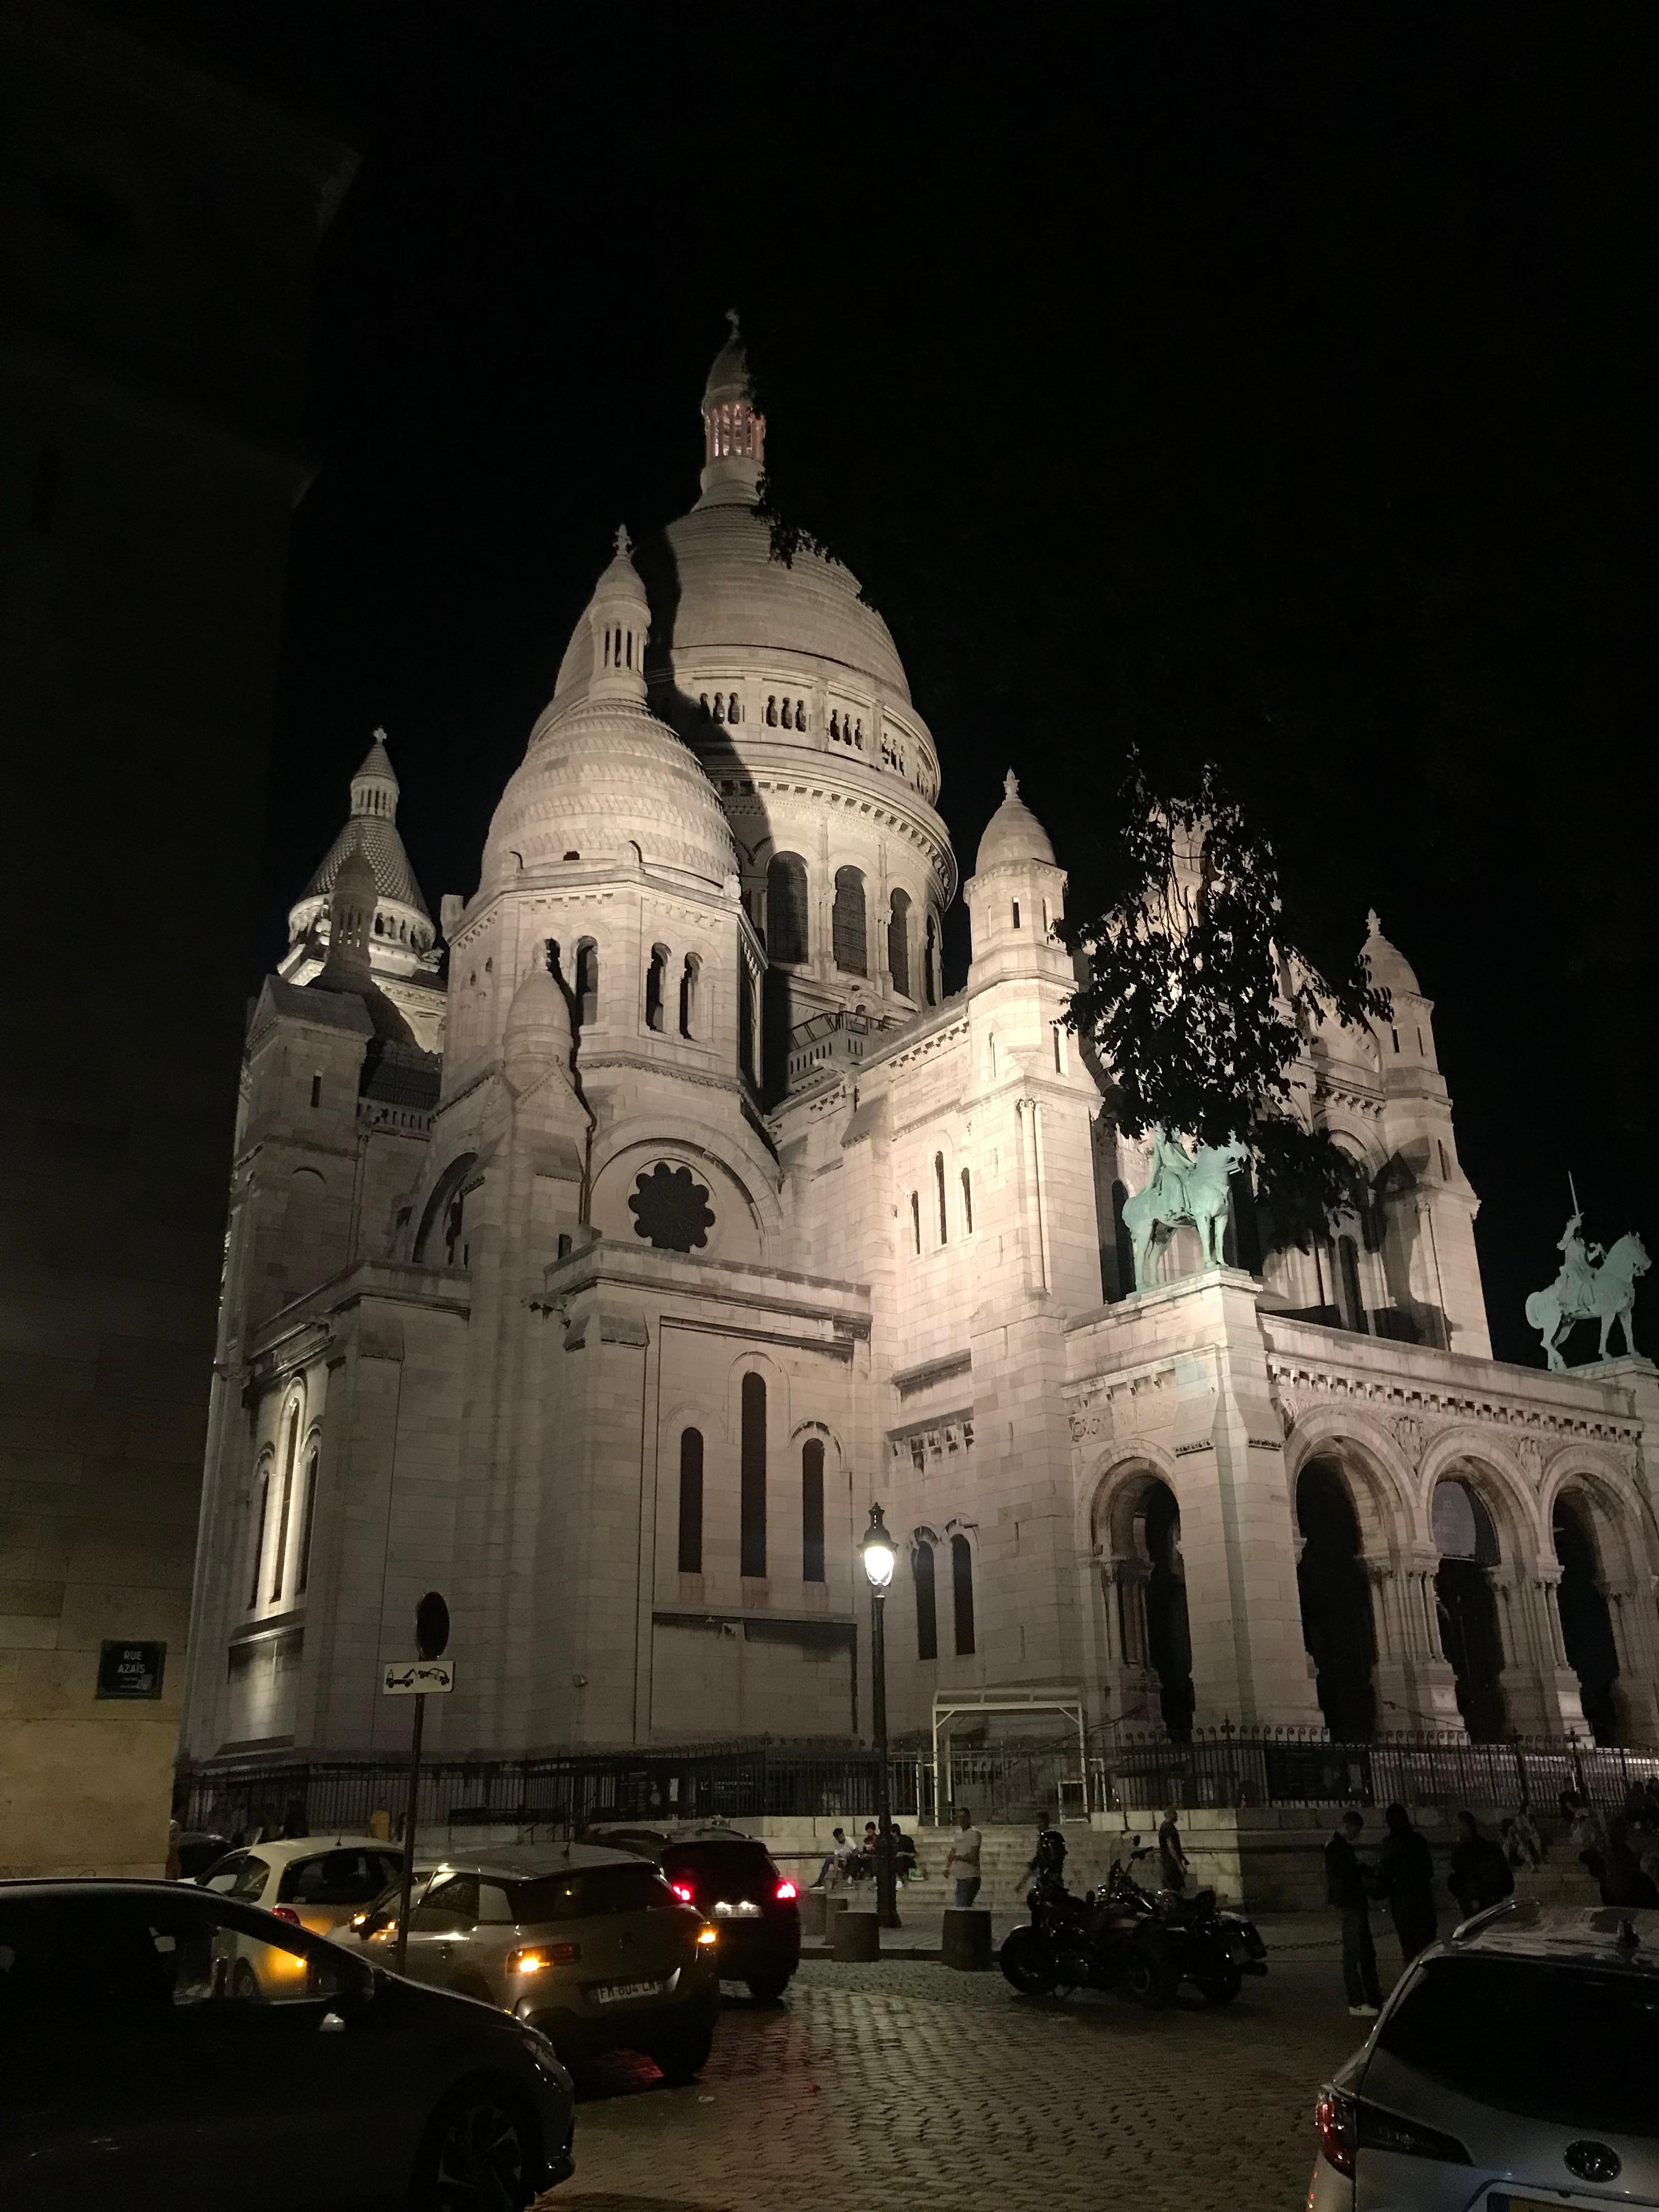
point(431, 1635)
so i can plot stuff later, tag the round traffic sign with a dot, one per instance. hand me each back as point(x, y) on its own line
point(431, 1626)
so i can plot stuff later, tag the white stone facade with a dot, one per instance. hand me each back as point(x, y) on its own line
point(605, 1291)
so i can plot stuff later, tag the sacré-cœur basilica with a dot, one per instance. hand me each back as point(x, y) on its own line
point(603, 1285)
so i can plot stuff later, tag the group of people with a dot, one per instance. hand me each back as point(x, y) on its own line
point(849, 1862)
point(1621, 1854)
point(1403, 1873)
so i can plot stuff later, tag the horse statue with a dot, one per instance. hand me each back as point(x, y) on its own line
point(1182, 1189)
point(1584, 1291)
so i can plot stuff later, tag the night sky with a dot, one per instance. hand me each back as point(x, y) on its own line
point(1269, 382)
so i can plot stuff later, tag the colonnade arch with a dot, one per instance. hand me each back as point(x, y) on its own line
point(1137, 1542)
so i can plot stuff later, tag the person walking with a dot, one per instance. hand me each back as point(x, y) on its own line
point(1344, 1888)
point(1171, 1857)
point(1479, 1872)
point(1405, 1875)
point(963, 1858)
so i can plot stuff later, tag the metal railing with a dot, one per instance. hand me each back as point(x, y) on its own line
point(1225, 1767)
point(562, 1793)
point(565, 1793)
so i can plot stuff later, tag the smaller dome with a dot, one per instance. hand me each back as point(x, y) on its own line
point(1013, 834)
point(346, 971)
point(537, 1034)
point(1387, 967)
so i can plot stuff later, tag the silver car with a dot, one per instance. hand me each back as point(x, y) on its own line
point(1515, 2068)
point(593, 1948)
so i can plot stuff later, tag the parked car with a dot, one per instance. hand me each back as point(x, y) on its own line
point(198, 1850)
point(590, 1946)
point(1521, 2057)
point(733, 1880)
point(316, 1883)
point(138, 2076)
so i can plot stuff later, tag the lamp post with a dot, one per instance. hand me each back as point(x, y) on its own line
point(877, 1553)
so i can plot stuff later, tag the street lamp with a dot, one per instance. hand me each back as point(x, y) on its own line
point(877, 1553)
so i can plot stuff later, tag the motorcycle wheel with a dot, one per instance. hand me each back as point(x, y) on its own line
point(1028, 1963)
point(1150, 1977)
point(1219, 1989)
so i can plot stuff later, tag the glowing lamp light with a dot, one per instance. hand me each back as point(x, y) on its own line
point(875, 1550)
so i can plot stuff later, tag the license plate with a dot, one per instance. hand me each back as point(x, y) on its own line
point(623, 1992)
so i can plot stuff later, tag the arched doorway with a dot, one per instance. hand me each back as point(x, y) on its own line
point(1467, 1544)
point(1169, 1640)
point(1586, 1624)
point(1337, 1627)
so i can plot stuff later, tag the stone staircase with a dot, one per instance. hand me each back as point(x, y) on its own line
point(1005, 1857)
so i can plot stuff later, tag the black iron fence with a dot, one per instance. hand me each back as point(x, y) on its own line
point(564, 1794)
point(1223, 1767)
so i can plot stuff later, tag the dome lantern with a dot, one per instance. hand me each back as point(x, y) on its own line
point(618, 618)
point(374, 787)
point(733, 433)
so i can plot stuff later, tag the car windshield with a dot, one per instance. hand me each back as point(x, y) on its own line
point(588, 1893)
point(728, 1870)
point(1576, 2045)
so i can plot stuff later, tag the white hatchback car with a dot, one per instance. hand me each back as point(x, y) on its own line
point(317, 1882)
point(1515, 2068)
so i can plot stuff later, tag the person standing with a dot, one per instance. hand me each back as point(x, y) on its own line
point(1479, 1872)
point(1405, 1875)
point(963, 1859)
point(1171, 1857)
point(1344, 1888)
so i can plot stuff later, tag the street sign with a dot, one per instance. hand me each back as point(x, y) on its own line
point(419, 1677)
point(130, 1670)
point(432, 1625)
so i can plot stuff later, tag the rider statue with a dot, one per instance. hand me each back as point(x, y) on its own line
point(1171, 1166)
point(1575, 1285)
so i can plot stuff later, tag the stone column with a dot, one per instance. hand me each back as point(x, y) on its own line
point(1430, 1699)
point(1391, 1678)
point(1556, 1706)
point(1635, 1689)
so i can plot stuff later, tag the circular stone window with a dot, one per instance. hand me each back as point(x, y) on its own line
point(671, 1209)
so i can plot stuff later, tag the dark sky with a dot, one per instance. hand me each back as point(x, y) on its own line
point(1270, 382)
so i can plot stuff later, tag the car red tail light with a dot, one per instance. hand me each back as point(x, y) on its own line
point(1334, 2122)
point(786, 1892)
point(683, 1891)
point(286, 1912)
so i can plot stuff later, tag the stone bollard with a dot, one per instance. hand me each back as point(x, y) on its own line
point(965, 1939)
point(813, 1912)
point(854, 1935)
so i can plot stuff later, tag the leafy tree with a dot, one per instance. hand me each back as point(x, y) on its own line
point(1197, 1001)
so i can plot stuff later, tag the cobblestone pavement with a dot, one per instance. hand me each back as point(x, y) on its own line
point(880, 2088)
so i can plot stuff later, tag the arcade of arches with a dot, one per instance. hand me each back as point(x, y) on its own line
point(1467, 1623)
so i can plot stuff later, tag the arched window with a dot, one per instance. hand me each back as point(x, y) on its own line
point(691, 1502)
point(748, 1029)
point(290, 1453)
point(899, 941)
point(752, 1479)
point(961, 1592)
point(967, 1203)
point(442, 1221)
point(785, 907)
point(847, 931)
point(930, 971)
point(922, 1569)
point(938, 1193)
point(307, 1522)
point(915, 1218)
point(587, 981)
point(260, 1511)
point(656, 979)
point(690, 993)
point(811, 1510)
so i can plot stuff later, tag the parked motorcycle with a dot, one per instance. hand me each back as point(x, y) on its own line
point(1125, 1936)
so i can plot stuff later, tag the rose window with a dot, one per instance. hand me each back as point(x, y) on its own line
point(671, 1209)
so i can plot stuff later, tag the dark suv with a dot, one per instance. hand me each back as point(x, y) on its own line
point(733, 1880)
